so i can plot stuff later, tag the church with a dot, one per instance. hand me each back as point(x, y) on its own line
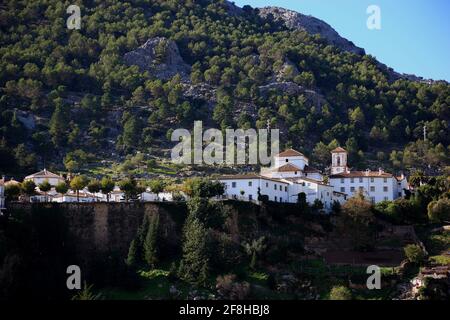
point(292, 174)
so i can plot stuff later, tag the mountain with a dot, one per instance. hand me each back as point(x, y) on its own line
point(105, 98)
point(312, 25)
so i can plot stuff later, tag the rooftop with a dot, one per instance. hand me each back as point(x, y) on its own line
point(290, 153)
point(362, 174)
point(338, 149)
point(43, 174)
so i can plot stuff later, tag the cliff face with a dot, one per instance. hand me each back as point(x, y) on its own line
point(312, 25)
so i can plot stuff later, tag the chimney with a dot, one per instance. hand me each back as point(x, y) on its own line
point(380, 171)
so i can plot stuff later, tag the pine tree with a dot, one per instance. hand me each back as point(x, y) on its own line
point(194, 264)
point(150, 243)
point(133, 258)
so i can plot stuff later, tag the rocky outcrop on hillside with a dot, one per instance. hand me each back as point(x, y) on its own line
point(312, 25)
point(160, 57)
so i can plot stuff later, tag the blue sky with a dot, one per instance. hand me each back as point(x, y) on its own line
point(414, 36)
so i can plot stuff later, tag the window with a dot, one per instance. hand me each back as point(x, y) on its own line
point(372, 199)
point(274, 187)
point(385, 198)
point(385, 189)
point(281, 199)
point(281, 187)
point(233, 184)
point(250, 183)
point(352, 180)
point(385, 180)
point(372, 189)
point(342, 180)
point(250, 197)
point(342, 189)
point(285, 189)
point(287, 160)
point(372, 179)
point(295, 173)
point(352, 189)
point(360, 179)
point(276, 199)
point(267, 184)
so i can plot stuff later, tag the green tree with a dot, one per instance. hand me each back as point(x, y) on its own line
point(357, 221)
point(439, 210)
point(253, 249)
point(12, 191)
point(414, 253)
point(340, 293)
point(62, 188)
point(157, 186)
point(107, 186)
point(151, 242)
point(45, 187)
point(94, 186)
point(28, 187)
point(194, 264)
point(77, 184)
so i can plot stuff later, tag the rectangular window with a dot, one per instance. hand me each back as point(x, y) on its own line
point(281, 187)
point(342, 189)
point(281, 199)
point(250, 197)
point(285, 189)
point(276, 199)
point(233, 184)
point(360, 179)
point(372, 179)
point(385, 198)
point(372, 199)
point(352, 189)
point(385, 189)
point(342, 180)
point(352, 180)
point(274, 187)
point(250, 183)
point(372, 189)
point(385, 180)
point(267, 184)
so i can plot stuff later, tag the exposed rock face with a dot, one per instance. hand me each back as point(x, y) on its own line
point(286, 68)
point(160, 57)
point(295, 20)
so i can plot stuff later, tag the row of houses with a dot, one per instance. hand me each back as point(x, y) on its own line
point(289, 176)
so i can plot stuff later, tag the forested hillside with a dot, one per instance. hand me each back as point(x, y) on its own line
point(71, 99)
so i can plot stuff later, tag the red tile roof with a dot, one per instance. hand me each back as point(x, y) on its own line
point(362, 174)
point(290, 153)
point(338, 149)
point(289, 167)
point(309, 169)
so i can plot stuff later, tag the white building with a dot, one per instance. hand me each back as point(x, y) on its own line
point(289, 176)
point(2, 194)
point(377, 185)
point(43, 175)
point(246, 186)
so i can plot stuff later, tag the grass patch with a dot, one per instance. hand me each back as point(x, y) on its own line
point(441, 260)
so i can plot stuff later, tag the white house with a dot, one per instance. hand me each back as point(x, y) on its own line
point(246, 186)
point(2, 194)
point(377, 185)
point(43, 175)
